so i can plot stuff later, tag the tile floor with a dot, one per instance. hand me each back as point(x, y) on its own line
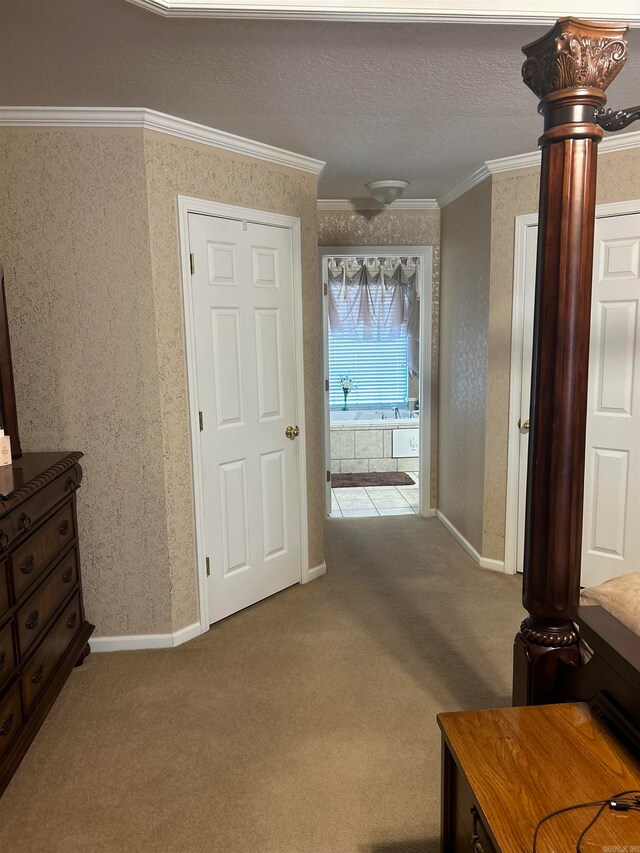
point(375, 500)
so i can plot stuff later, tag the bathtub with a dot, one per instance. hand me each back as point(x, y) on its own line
point(362, 441)
point(370, 417)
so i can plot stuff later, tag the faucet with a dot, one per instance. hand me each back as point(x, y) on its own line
point(396, 413)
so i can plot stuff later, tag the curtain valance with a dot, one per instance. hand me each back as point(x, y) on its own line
point(376, 299)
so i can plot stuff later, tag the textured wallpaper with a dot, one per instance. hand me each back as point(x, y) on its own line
point(88, 236)
point(395, 228)
point(464, 319)
point(173, 168)
point(74, 239)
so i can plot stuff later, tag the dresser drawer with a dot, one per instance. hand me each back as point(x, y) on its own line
point(46, 657)
point(36, 612)
point(4, 588)
point(7, 653)
point(10, 718)
point(29, 512)
point(31, 558)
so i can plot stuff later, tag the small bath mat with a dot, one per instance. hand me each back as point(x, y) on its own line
point(387, 478)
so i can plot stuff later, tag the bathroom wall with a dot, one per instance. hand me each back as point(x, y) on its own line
point(88, 237)
point(392, 227)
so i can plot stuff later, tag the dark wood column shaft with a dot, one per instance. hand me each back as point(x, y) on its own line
point(560, 373)
point(569, 69)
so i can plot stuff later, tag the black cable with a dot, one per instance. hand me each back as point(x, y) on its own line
point(635, 804)
point(632, 807)
point(547, 817)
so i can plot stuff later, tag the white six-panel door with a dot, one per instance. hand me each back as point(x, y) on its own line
point(242, 291)
point(611, 543)
point(611, 526)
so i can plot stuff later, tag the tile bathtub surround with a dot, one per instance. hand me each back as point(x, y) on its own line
point(375, 500)
point(360, 449)
point(342, 444)
point(368, 443)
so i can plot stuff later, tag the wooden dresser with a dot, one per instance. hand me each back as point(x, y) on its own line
point(43, 632)
point(506, 768)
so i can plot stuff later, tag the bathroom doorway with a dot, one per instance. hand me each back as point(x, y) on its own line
point(377, 369)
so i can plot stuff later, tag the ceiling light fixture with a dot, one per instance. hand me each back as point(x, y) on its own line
point(387, 191)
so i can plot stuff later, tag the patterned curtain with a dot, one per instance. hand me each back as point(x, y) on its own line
point(376, 299)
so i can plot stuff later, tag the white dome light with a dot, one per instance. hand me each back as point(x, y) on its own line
point(387, 191)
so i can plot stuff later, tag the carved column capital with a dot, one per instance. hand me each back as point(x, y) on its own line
point(576, 57)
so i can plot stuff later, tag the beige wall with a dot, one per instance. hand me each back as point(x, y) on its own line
point(516, 193)
point(88, 235)
point(464, 320)
point(395, 228)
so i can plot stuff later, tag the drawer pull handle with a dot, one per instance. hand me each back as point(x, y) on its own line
point(476, 844)
point(3, 657)
point(71, 622)
point(4, 540)
point(24, 522)
point(26, 567)
point(70, 485)
point(66, 577)
point(32, 619)
point(38, 673)
point(7, 725)
point(63, 529)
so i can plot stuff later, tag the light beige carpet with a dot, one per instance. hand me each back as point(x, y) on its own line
point(305, 724)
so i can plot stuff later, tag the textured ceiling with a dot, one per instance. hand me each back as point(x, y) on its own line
point(424, 102)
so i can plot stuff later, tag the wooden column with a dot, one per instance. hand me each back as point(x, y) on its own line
point(569, 70)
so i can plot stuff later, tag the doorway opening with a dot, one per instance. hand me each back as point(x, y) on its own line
point(377, 362)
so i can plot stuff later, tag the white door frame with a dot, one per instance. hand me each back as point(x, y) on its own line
point(425, 253)
point(187, 205)
point(527, 220)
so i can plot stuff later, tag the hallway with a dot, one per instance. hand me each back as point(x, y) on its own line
point(304, 724)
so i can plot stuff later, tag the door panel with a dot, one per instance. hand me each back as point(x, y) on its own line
point(611, 527)
point(245, 362)
point(611, 543)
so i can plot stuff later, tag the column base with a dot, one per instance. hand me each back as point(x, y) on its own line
point(538, 647)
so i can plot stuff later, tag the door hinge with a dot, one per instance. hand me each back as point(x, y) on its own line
point(192, 261)
point(328, 476)
point(208, 568)
point(326, 288)
point(201, 420)
point(326, 384)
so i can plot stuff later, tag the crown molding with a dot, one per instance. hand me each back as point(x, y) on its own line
point(464, 186)
point(371, 204)
point(161, 123)
point(436, 11)
point(609, 145)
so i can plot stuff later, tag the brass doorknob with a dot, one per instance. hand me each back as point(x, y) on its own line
point(292, 432)
point(523, 424)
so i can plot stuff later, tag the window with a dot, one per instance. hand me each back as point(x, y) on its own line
point(379, 368)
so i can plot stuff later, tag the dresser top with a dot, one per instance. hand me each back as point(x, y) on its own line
point(523, 763)
point(31, 473)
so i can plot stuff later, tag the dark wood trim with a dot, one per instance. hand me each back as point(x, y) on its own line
point(15, 498)
point(8, 411)
point(569, 69)
point(16, 753)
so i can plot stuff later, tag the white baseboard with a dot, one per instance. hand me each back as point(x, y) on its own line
point(432, 512)
point(130, 642)
point(483, 562)
point(314, 573)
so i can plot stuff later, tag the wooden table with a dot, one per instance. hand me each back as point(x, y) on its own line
point(505, 768)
